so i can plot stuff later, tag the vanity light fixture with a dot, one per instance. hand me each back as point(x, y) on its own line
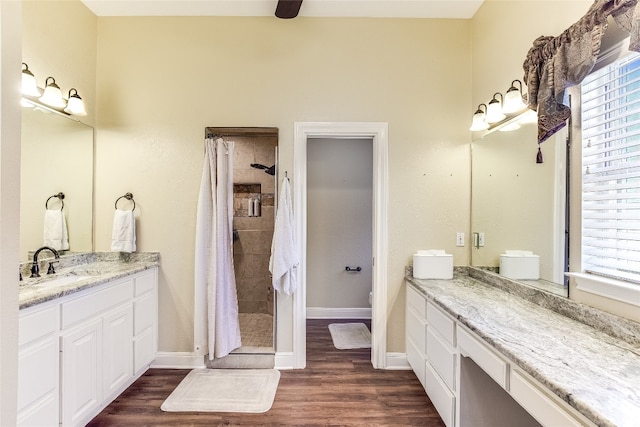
point(51, 98)
point(513, 99)
point(494, 109)
point(75, 106)
point(29, 84)
point(52, 95)
point(478, 122)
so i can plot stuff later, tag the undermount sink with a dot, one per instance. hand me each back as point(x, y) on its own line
point(64, 280)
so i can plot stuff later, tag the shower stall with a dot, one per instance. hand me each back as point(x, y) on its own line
point(254, 191)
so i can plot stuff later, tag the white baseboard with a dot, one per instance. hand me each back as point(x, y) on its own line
point(397, 361)
point(283, 360)
point(177, 360)
point(338, 313)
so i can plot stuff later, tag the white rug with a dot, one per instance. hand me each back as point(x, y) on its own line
point(224, 390)
point(350, 335)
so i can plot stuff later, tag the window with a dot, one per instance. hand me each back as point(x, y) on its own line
point(610, 99)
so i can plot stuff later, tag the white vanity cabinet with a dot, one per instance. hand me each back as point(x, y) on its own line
point(440, 350)
point(38, 372)
point(101, 338)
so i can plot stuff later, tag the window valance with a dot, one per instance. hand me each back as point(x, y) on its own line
point(556, 63)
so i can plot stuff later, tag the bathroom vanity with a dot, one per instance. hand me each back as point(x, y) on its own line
point(85, 334)
point(491, 351)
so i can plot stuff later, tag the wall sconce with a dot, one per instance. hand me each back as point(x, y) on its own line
point(29, 84)
point(513, 99)
point(478, 122)
point(52, 95)
point(75, 106)
point(51, 98)
point(494, 110)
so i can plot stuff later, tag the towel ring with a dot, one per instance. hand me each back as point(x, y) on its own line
point(59, 196)
point(127, 196)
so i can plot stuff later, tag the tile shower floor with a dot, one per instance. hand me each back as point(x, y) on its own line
point(256, 330)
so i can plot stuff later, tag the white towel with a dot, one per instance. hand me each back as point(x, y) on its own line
point(284, 253)
point(55, 232)
point(123, 237)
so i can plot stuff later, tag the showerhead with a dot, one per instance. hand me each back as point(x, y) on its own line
point(271, 170)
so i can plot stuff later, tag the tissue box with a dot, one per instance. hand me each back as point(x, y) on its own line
point(520, 265)
point(432, 264)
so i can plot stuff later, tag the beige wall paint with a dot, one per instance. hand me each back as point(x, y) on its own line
point(59, 40)
point(162, 80)
point(9, 206)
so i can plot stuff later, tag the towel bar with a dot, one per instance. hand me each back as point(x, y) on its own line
point(60, 196)
point(127, 196)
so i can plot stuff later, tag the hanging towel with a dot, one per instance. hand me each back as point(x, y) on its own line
point(55, 232)
point(123, 237)
point(284, 253)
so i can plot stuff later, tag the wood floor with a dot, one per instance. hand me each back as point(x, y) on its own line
point(337, 388)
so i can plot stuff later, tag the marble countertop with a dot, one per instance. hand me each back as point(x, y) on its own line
point(94, 269)
point(596, 372)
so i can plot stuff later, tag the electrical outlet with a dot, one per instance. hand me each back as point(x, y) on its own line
point(459, 238)
point(480, 239)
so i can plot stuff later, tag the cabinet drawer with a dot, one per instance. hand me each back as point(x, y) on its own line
point(537, 403)
point(442, 357)
point(37, 323)
point(417, 330)
point(491, 363)
point(441, 397)
point(95, 303)
point(145, 283)
point(442, 323)
point(417, 361)
point(416, 301)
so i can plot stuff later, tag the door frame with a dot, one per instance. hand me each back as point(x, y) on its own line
point(378, 132)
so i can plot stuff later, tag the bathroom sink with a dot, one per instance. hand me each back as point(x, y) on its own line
point(64, 280)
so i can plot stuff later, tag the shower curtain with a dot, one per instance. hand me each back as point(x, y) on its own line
point(216, 325)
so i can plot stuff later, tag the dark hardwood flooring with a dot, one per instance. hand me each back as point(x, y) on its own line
point(337, 388)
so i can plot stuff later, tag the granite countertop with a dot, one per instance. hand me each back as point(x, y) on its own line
point(90, 270)
point(592, 369)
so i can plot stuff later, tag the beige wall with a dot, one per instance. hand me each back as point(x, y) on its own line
point(59, 40)
point(162, 80)
point(9, 206)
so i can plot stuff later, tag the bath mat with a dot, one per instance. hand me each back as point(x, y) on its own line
point(350, 335)
point(224, 390)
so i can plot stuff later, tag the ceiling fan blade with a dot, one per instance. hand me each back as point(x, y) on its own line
point(287, 9)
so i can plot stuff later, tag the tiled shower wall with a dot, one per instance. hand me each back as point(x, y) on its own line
point(252, 249)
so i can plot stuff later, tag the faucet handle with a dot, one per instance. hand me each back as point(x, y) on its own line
point(51, 270)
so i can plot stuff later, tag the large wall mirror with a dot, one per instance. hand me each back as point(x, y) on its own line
point(57, 157)
point(519, 205)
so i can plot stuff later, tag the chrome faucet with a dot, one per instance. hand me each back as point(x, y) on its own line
point(35, 269)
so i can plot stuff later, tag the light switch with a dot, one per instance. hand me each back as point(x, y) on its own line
point(459, 238)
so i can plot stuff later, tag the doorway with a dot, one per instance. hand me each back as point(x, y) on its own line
point(377, 133)
point(339, 227)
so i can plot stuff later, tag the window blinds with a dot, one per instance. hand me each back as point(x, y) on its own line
point(611, 170)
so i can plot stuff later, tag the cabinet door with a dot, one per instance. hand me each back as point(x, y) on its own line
point(38, 384)
point(81, 373)
point(117, 349)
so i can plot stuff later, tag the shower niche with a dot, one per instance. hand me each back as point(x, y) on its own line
point(254, 189)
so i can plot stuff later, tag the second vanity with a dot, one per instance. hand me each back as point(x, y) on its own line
point(490, 351)
point(85, 334)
